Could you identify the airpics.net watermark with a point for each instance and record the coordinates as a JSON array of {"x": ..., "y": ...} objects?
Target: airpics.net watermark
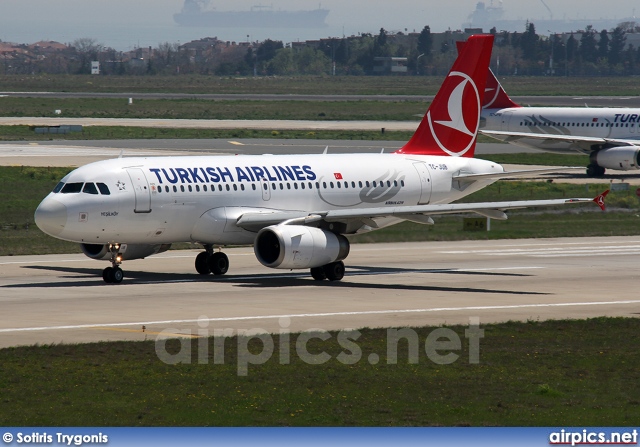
[{"x": 442, "y": 345}]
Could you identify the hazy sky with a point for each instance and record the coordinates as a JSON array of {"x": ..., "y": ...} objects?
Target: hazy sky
[{"x": 125, "y": 24}]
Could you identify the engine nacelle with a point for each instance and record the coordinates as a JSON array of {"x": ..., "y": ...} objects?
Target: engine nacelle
[
  {"x": 127, "y": 251},
  {"x": 298, "y": 247},
  {"x": 624, "y": 158}
]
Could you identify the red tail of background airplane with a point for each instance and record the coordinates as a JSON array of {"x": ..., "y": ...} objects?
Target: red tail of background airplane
[
  {"x": 450, "y": 126},
  {"x": 494, "y": 95}
]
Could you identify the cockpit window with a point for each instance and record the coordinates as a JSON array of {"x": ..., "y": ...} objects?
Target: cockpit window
[
  {"x": 58, "y": 187},
  {"x": 90, "y": 188},
  {"x": 104, "y": 189},
  {"x": 72, "y": 188}
]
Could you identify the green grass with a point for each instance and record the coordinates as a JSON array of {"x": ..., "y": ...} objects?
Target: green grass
[
  {"x": 22, "y": 189},
  {"x": 26, "y": 133},
  {"x": 552, "y": 373},
  {"x": 206, "y": 109},
  {"x": 319, "y": 85}
]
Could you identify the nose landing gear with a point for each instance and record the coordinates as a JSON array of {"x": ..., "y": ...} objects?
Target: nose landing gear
[{"x": 114, "y": 274}]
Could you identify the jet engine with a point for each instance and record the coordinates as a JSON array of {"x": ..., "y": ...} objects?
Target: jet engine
[
  {"x": 127, "y": 251},
  {"x": 623, "y": 158},
  {"x": 297, "y": 247}
]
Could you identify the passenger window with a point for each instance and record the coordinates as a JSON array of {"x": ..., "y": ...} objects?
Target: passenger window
[
  {"x": 175, "y": 188},
  {"x": 58, "y": 187},
  {"x": 204, "y": 188},
  {"x": 90, "y": 188},
  {"x": 72, "y": 188}
]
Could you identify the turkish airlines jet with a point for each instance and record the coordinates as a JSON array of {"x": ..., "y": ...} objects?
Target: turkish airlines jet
[
  {"x": 294, "y": 209},
  {"x": 610, "y": 136}
]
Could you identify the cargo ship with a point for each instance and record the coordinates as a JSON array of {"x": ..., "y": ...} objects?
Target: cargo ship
[
  {"x": 195, "y": 13},
  {"x": 489, "y": 16}
]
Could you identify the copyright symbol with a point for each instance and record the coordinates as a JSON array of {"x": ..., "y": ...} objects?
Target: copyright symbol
[{"x": 7, "y": 437}]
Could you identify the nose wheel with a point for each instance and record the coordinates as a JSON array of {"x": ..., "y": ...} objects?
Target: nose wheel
[{"x": 114, "y": 274}]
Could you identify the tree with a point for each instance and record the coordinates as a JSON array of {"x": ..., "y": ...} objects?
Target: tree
[
  {"x": 588, "y": 49},
  {"x": 268, "y": 49},
  {"x": 425, "y": 41},
  {"x": 603, "y": 45},
  {"x": 616, "y": 45},
  {"x": 281, "y": 63},
  {"x": 529, "y": 43},
  {"x": 87, "y": 50}
]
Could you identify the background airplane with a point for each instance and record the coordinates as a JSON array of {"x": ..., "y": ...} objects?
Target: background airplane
[
  {"x": 610, "y": 136},
  {"x": 294, "y": 209}
]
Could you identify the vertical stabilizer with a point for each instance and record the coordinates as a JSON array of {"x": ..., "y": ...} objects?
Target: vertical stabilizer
[
  {"x": 450, "y": 125},
  {"x": 494, "y": 95}
]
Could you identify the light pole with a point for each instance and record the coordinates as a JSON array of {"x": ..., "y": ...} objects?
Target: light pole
[
  {"x": 418, "y": 64},
  {"x": 552, "y": 40}
]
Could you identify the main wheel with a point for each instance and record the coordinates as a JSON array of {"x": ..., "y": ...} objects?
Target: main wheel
[
  {"x": 334, "y": 271},
  {"x": 218, "y": 263},
  {"x": 202, "y": 264},
  {"x": 318, "y": 273},
  {"x": 594, "y": 170}
]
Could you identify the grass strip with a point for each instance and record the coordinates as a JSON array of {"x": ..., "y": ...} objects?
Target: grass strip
[
  {"x": 206, "y": 109},
  {"x": 550, "y": 373},
  {"x": 313, "y": 85},
  {"x": 27, "y": 133}
]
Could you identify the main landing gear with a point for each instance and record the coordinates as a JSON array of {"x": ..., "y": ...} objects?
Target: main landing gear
[
  {"x": 333, "y": 272},
  {"x": 114, "y": 274},
  {"x": 594, "y": 170},
  {"x": 210, "y": 262}
]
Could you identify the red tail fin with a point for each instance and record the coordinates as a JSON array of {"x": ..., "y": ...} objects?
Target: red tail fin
[
  {"x": 494, "y": 95},
  {"x": 450, "y": 126}
]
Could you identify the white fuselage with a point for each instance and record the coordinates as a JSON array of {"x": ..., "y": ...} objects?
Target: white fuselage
[
  {"x": 611, "y": 123},
  {"x": 180, "y": 199}
]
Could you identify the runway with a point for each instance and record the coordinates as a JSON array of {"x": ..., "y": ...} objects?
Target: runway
[{"x": 62, "y": 298}]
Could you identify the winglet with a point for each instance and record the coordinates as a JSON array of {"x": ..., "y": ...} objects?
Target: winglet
[{"x": 599, "y": 199}]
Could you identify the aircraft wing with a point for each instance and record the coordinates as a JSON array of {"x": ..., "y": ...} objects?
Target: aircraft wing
[
  {"x": 417, "y": 213},
  {"x": 513, "y": 174},
  {"x": 579, "y": 143}
]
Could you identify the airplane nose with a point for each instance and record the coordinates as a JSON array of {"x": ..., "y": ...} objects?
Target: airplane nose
[{"x": 51, "y": 216}]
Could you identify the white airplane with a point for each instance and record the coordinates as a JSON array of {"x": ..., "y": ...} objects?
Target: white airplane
[
  {"x": 294, "y": 209},
  {"x": 610, "y": 136}
]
